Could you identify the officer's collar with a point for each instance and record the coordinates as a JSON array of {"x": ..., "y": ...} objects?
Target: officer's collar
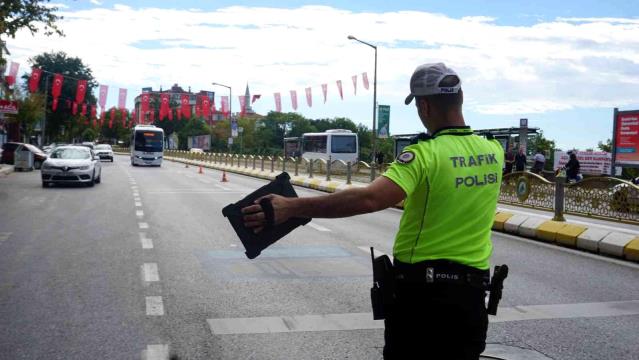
[{"x": 453, "y": 130}]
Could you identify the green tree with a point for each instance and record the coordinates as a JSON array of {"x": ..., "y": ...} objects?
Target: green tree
[
  {"x": 72, "y": 68},
  {"x": 30, "y": 112},
  {"x": 539, "y": 143},
  {"x": 607, "y": 146}
]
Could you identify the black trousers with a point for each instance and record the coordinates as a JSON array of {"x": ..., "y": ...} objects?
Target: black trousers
[{"x": 436, "y": 321}]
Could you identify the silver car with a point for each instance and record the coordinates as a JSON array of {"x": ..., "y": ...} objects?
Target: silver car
[
  {"x": 72, "y": 164},
  {"x": 104, "y": 151}
]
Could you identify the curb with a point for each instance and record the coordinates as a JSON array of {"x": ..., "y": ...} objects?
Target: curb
[{"x": 586, "y": 238}]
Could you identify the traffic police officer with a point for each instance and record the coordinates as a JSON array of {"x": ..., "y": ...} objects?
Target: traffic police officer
[{"x": 449, "y": 181}]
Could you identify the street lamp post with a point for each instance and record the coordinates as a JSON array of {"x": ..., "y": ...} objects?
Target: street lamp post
[
  {"x": 230, "y": 108},
  {"x": 374, "y": 150}
]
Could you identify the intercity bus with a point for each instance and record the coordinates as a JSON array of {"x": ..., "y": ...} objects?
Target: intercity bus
[{"x": 147, "y": 144}]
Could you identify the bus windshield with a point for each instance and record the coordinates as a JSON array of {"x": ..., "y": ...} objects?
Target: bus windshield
[
  {"x": 343, "y": 144},
  {"x": 150, "y": 141}
]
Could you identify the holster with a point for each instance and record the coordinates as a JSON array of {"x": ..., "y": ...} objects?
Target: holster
[
  {"x": 496, "y": 286},
  {"x": 383, "y": 290}
]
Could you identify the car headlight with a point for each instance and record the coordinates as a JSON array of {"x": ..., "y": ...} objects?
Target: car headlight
[
  {"x": 46, "y": 166},
  {"x": 84, "y": 167}
]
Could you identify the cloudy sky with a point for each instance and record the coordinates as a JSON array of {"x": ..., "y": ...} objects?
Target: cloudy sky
[{"x": 563, "y": 65}]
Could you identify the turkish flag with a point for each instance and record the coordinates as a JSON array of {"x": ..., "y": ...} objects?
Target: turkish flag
[
  {"x": 34, "y": 80},
  {"x": 54, "y": 104},
  {"x": 122, "y": 99},
  {"x": 57, "y": 85},
  {"x": 255, "y": 97},
  {"x": 355, "y": 84},
  {"x": 365, "y": 80},
  {"x": 186, "y": 106},
  {"x": 198, "y": 112},
  {"x": 164, "y": 105},
  {"x": 309, "y": 97},
  {"x": 84, "y": 109},
  {"x": 170, "y": 114},
  {"x": 294, "y": 99},
  {"x": 278, "y": 102},
  {"x": 81, "y": 91},
  {"x": 144, "y": 103},
  {"x": 324, "y": 91},
  {"x": 133, "y": 119},
  {"x": 206, "y": 106},
  {"x": 74, "y": 110},
  {"x": 102, "y": 116},
  {"x": 123, "y": 117},
  {"x": 242, "y": 99},
  {"x": 93, "y": 112},
  {"x": 104, "y": 92},
  {"x": 152, "y": 117},
  {"x": 178, "y": 112},
  {"x": 111, "y": 117},
  {"x": 339, "y": 88},
  {"x": 225, "y": 105},
  {"x": 13, "y": 73}
]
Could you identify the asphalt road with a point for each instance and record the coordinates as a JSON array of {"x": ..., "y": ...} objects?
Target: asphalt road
[{"x": 144, "y": 265}]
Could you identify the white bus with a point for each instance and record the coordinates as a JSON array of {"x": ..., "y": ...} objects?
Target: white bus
[
  {"x": 147, "y": 143},
  {"x": 335, "y": 144}
]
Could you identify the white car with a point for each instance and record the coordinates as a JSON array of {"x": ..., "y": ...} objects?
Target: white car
[
  {"x": 71, "y": 164},
  {"x": 104, "y": 151}
]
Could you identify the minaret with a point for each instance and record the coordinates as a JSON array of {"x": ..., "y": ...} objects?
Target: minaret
[{"x": 247, "y": 97}]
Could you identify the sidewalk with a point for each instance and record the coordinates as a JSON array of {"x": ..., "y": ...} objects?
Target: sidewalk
[
  {"x": 5, "y": 169},
  {"x": 591, "y": 235}
]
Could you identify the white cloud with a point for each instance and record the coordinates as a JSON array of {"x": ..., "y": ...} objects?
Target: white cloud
[
  {"x": 567, "y": 63},
  {"x": 96, "y": 2}
]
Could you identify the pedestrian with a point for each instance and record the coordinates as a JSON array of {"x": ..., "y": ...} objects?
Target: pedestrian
[
  {"x": 540, "y": 160},
  {"x": 379, "y": 158},
  {"x": 509, "y": 160},
  {"x": 572, "y": 168},
  {"x": 449, "y": 181},
  {"x": 520, "y": 160}
]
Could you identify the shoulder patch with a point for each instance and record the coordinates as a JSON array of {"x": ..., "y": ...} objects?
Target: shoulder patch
[{"x": 406, "y": 157}]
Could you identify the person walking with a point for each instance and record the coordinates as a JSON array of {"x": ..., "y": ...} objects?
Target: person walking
[
  {"x": 509, "y": 160},
  {"x": 449, "y": 181},
  {"x": 520, "y": 160}
]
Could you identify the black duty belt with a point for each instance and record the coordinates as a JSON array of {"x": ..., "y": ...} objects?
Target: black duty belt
[{"x": 442, "y": 271}]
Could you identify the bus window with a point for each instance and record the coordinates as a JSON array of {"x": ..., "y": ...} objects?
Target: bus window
[
  {"x": 150, "y": 141},
  {"x": 343, "y": 144},
  {"x": 316, "y": 144}
]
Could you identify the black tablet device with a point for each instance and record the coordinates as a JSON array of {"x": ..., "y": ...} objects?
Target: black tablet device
[{"x": 255, "y": 243}]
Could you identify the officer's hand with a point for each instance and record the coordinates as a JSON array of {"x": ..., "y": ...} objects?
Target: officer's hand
[{"x": 254, "y": 215}]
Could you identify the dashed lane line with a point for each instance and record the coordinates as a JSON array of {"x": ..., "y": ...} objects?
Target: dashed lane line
[
  {"x": 154, "y": 306},
  {"x": 150, "y": 272},
  {"x": 156, "y": 352},
  {"x": 318, "y": 227},
  {"x": 143, "y": 225},
  {"x": 137, "y": 203},
  {"x": 146, "y": 242},
  {"x": 139, "y": 213},
  {"x": 4, "y": 236}
]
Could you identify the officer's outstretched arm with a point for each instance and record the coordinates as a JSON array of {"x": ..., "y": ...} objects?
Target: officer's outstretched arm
[{"x": 380, "y": 194}]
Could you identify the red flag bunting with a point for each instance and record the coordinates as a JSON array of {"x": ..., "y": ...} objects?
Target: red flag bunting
[
  {"x": 54, "y": 105},
  {"x": 354, "y": 84},
  {"x": 278, "y": 102},
  {"x": 164, "y": 105},
  {"x": 324, "y": 90},
  {"x": 198, "y": 112},
  {"x": 102, "y": 117},
  {"x": 122, "y": 99},
  {"x": 309, "y": 97},
  {"x": 74, "y": 110},
  {"x": 56, "y": 88},
  {"x": 144, "y": 104},
  {"x": 104, "y": 92},
  {"x": 170, "y": 114},
  {"x": 242, "y": 100},
  {"x": 81, "y": 91},
  {"x": 294, "y": 99},
  {"x": 178, "y": 112},
  {"x": 152, "y": 117},
  {"x": 13, "y": 73},
  {"x": 186, "y": 106},
  {"x": 225, "y": 106},
  {"x": 93, "y": 111},
  {"x": 365, "y": 80},
  {"x": 255, "y": 97},
  {"x": 339, "y": 88},
  {"x": 133, "y": 119},
  {"x": 206, "y": 106},
  {"x": 83, "y": 112},
  {"x": 123, "y": 117},
  {"x": 111, "y": 117},
  {"x": 34, "y": 80}
]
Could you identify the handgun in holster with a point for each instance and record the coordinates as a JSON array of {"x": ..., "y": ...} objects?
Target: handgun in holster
[
  {"x": 383, "y": 290},
  {"x": 496, "y": 287}
]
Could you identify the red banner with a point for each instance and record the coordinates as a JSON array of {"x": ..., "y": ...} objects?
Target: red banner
[
  {"x": 102, "y": 117},
  {"x": 13, "y": 73},
  {"x": 80, "y": 91},
  {"x": 339, "y": 88},
  {"x": 94, "y": 112},
  {"x": 355, "y": 84},
  {"x": 111, "y": 117},
  {"x": 152, "y": 117},
  {"x": 242, "y": 100},
  {"x": 225, "y": 106},
  {"x": 54, "y": 104},
  {"x": 164, "y": 105},
  {"x": 144, "y": 104},
  {"x": 365, "y": 80},
  {"x": 8, "y": 107},
  {"x": 170, "y": 115},
  {"x": 56, "y": 88},
  {"x": 74, "y": 109},
  {"x": 104, "y": 92},
  {"x": 255, "y": 97},
  {"x": 324, "y": 90},
  {"x": 294, "y": 99},
  {"x": 186, "y": 106},
  {"x": 278, "y": 102},
  {"x": 84, "y": 109},
  {"x": 133, "y": 119},
  {"x": 206, "y": 106},
  {"x": 123, "y": 117},
  {"x": 34, "y": 80},
  {"x": 309, "y": 97},
  {"x": 198, "y": 111},
  {"x": 122, "y": 99}
]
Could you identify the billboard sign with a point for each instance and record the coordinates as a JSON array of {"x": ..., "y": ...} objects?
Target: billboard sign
[
  {"x": 625, "y": 138},
  {"x": 590, "y": 162},
  {"x": 383, "y": 129},
  {"x": 200, "y": 142},
  {"x": 8, "y": 107}
]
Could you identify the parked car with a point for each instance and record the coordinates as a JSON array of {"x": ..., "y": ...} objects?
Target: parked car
[
  {"x": 104, "y": 151},
  {"x": 7, "y": 152},
  {"x": 88, "y": 144},
  {"x": 39, "y": 156},
  {"x": 72, "y": 164}
]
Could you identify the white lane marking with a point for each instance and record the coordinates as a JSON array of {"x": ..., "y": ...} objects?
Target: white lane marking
[
  {"x": 205, "y": 181},
  {"x": 156, "y": 352},
  {"x": 137, "y": 198},
  {"x": 154, "y": 306},
  {"x": 612, "y": 228},
  {"x": 570, "y": 251},
  {"x": 364, "y": 321},
  {"x": 134, "y": 187},
  {"x": 146, "y": 242},
  {"x": 195, "y": 192},
  {"x": 367, "y": 249},
  {"x": 139, "y": 213},
  {"x": 189, "y": 175},
  {"x": 150, "y": 271},
  {"x": 137, "y": 203},
  {"x": 318, "y": 227},
  {"x": 136, "y": 194},
  {"x": 143, "y": 225},
  {"x": 222, "y": 187},
  {"x": 4, "y": 236}
]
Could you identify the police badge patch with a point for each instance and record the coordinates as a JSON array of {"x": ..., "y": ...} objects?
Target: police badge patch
[{"x": 406, "y": 157}]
